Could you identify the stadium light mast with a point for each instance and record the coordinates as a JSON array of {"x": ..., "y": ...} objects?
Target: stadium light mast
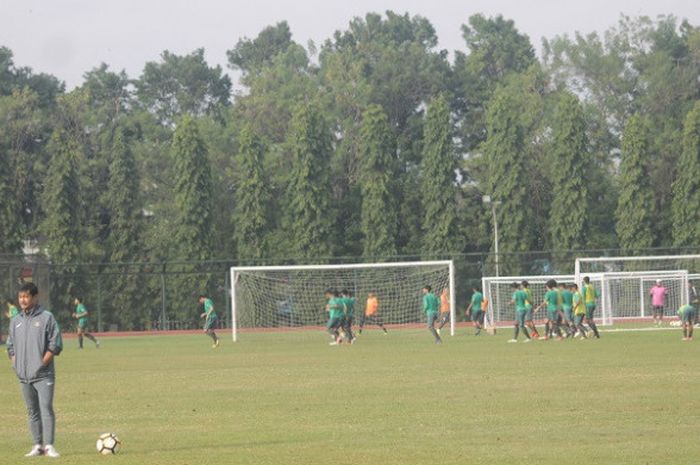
[{"x": 486, "y": 199}]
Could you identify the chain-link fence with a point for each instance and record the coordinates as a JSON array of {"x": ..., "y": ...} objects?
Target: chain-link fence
[{"x": 164, "y": 296}]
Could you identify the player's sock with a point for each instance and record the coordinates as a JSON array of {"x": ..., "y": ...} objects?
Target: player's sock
[
  {"x": 91, "y": 337},
  {"x": 527, "y": 335},
  {"x": 80, "y": 340},
  {"x": 595, "y": 329},
  {"x": 516, "y": 330}
]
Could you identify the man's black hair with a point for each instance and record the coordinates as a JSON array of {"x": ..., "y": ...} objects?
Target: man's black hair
[{"x": 29, "y": 288}]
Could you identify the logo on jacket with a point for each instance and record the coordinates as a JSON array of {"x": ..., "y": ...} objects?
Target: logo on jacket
[{"x": 37, "y": 324}]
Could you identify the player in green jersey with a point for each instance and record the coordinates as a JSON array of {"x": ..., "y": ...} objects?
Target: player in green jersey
[
  {"x": 687, "y": 315},
  {"x": 430, "y": 307},
  {"x": 590, "y": 294},
  {"x": 210, "y": 318},
  {"x": 519, "y": 300},
  {"x": 336, "y": 310},
  {"x": 81, "y": 314},
  {"x": 349, "y": 303},
  {"x": 551, "y": 301},
  {"x": 567, "y": 299},
  {"x": 579, "y": 308},
  {"x": 474, "y": 309},
  {"x": 12, "y": 311},
  {"x": 529, "y": 322}
]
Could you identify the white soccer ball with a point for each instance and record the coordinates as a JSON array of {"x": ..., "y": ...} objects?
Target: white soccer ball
[
  {"x": 108, "y": 443},
  {"x": 676, "y": 323}
]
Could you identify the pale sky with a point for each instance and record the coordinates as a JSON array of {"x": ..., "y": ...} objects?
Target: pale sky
[{"x": 66, "y": 38}]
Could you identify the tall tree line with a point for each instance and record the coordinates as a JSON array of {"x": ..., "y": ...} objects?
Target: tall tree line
[{"x": 372, "y": 143}]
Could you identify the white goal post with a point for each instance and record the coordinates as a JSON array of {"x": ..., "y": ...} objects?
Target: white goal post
[
  {"x": 291, "y": 297},
  {"x": 625, "y": 293},
  {"x": 498, "y": 291}
]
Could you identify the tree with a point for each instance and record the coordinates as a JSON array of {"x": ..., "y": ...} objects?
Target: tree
[
  {"x": 109, "y": 92},
  {"x": 310, "y": 214},
  {"x": 568, "y": 215},
  {"x": 252, "y": 215},
  {"x": 686, "y": 187},
  {"x": 438, "y": 189},
  {"x": 180, "y": 85},
  {"x": 125, "y": 235},
  {"x": 10, "y": 232},
  {"x": 506, "y": 179},
  {"x": 250, "y": 56},
  {"x": 496, "y": 50},
  {"x": 635, "y": 206},
  {"x": 193, "y": 193},
  {"x": 63, "y": 224},
  {"x": 191, "y": 228},
  {"x": 378, "y": 185}
]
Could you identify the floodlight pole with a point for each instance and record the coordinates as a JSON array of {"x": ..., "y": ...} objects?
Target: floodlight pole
[{"x": 486, "y": 199}]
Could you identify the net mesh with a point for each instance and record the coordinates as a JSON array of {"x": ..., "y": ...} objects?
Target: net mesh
[
  {"x": 499, "y": 292},
  {"x": 293, "y": 298},
  {"x": 628, "y": 295},
  {"x": 628, "y": 281}
]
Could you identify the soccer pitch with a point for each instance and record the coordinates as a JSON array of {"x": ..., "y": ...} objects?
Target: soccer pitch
[{"x": 289, "y": 398}]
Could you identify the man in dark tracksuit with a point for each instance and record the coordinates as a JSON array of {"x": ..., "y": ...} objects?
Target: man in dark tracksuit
[{"x": 34, "y": 339}]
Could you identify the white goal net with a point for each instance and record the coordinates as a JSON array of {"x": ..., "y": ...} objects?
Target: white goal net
[
  {"x": 292, "y": 297},
  {"x": 499, "y": 291},
  {"x": 627, "y": 282}
]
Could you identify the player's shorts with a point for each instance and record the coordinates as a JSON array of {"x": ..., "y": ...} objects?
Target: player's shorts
[
  {"x": 568, "y": 314},
  {"x": 82, "y": 323},
  {"x": 578, "y": 319},
  {"x": 552, "y": 315},
  {"x": 476, "y": 315},
  {"x": 521, "y": 317},
  {"x": 658, "y": 309},
  {"x": 688, "y": 316},
  {"x": 590, "y": 309},
  {"x": 431, "y": 317},
  {"x": 334, "y": 322},
  {"x": 209, "y": 323}
]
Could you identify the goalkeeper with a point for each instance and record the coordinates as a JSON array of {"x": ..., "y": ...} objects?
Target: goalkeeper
[
  {"x": 210, "y": 318},
  {"x": 687, "y": 315}
]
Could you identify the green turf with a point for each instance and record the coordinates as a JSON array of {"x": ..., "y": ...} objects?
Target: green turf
[{"x": 629, "y": 398}]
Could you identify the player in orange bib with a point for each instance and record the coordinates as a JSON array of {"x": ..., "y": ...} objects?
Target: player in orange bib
[
  {"x": 372, "y": 313},
  {"x": 444, "y": 309}
]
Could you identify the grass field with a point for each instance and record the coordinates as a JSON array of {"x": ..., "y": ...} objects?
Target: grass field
[{"x": 628, "y": 398}]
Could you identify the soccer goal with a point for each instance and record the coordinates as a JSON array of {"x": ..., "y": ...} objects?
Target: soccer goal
[
  {"x": 499, "y": 290},
  {"x": 283, "y": 298},
  {"x": 627, "y": 281}
]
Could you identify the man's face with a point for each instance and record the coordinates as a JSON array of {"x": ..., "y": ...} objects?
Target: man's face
[{"x": 26, "y": 300}]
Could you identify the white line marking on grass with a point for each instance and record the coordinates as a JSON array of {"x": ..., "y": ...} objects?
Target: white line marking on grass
[{"x": 626, "y": 330}]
